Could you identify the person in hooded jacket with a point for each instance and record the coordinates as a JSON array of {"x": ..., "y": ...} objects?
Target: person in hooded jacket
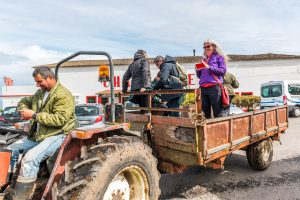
[
  {"x": 169, "y": 79},
  {"x": 231, "y": 83},
  {"x": 139, "y": 73},
  {"x": 214, "y": 61}
]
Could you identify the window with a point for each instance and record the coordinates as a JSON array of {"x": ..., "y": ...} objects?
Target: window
[
  {"x": 265, "y": 91},
  {"x": 91, "y": 99},
  {"x": 86, "y": 110},
  {"x": 294, "y": 89},
  {"x": 104, "y": 100},
  {"x": 271, "y": 91},
  {"x": 10, "y": 111}
]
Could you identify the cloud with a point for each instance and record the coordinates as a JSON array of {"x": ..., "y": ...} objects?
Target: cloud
[
  {"x": 38, "y": 32},
  {"x": 18, "y": 65}
]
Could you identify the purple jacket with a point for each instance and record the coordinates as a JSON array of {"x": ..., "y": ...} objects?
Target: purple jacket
[{"x": 217, "y": 66}]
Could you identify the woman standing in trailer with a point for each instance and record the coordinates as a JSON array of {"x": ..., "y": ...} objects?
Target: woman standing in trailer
[{"x": 211, "y": 75}]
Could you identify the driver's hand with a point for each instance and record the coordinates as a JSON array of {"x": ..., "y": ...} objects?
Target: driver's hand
[{"x": 26, "y": 113}]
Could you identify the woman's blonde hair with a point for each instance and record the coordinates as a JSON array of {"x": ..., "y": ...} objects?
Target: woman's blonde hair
[{"x": 217, "y": 48}]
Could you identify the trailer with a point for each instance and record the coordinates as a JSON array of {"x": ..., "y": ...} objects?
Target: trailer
[{"x": 181, "y": 142}]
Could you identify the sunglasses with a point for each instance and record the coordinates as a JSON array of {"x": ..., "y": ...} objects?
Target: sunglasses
[{"x": 206, "y": 47}]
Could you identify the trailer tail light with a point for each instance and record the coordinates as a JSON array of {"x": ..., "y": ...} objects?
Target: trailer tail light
[
  {"x": 4, "y": 163},
  {"x": 99, "y": 119},
  {"x": 79, "y": 134},
  {"x": 284, "y": 100}
]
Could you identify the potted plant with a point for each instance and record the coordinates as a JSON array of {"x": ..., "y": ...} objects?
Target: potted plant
[
  {"x": 247, "y": 102},
  {"x": 188, "y": 103}
]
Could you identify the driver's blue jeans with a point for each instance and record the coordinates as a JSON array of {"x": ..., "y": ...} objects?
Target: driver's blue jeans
[{"x": 36, "y": 152}]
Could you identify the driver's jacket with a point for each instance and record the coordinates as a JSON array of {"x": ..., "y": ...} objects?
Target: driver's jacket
[{"x": 54, "y": 116}]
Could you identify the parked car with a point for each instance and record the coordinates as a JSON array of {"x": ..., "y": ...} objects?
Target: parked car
[
  {"x": 276, "y": 93},
  {"x": 88, "y": 114},
  {"x": 129, "y": 104},
  {"x": 10, "y": 116},
  {"x": 234, "y": 110}
]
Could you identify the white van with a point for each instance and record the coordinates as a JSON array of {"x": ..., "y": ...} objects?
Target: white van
[{"x": 275, "y": 93}]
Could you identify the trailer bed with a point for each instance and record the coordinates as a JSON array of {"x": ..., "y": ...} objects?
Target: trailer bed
[{"x": 179, "y": 142}]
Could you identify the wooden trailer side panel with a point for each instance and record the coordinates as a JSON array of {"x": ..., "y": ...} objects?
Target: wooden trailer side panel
[
  {"x": 175, "y": 146},
  {"x": 226, "y": 134}
]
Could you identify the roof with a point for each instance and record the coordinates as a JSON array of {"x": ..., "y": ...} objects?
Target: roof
[
  {"x": 107, "y": 92},
  {"x": 180, "y": 59},
  {"x": 15, "y": 95}
]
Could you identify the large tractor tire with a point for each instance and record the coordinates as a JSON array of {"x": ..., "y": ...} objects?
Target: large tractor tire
[
  {"x": 116, "y": 168},
  {"x": 260, "y": 154}
]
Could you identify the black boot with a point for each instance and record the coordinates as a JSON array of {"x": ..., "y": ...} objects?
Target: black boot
[{"x": 22, "y": 191}]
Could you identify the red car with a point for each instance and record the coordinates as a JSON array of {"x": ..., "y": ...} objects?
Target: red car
[{"x": 10, "y": 116}]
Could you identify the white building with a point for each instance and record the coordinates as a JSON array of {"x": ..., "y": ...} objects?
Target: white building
[{"x": 81, "y": 77}]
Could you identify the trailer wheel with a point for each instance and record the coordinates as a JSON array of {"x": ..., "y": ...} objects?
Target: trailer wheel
[
  {"x": 296, "y": 112},
  {"x": 116, "y": 168},
  {"x": 260, "y": 154}
]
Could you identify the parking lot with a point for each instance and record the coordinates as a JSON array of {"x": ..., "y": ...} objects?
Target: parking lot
[{"x": 238, "y": 181}]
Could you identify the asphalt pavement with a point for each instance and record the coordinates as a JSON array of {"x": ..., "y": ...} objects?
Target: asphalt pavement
[{"x": 238, "y": 181}]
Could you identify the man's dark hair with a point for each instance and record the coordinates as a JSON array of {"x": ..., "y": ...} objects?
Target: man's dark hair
[
  {"x": 45, "y": 72},
  {"x": 159, "y": 58}
]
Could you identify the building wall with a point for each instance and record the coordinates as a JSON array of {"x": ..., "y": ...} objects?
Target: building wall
[
  {"x": 251, "y": 74},
  {"x": 83, "y": 81},
  {"x": 11, "y": 95}
]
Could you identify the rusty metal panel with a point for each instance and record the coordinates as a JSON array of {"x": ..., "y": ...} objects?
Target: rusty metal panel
[
  {"x": 258, "y": 123},
  {"x": 179, "y": 158},
  {"x": 176, "y": 121},
  {"x": 240, "y": 127},
  {"x": 282, "y": 115},
  {"x": 175, "y": 134},
  {"x": 137, "y": 127},
  {"x": 271, "y": 118},
  {"x": 131, "y": 117},
  {"x": 189, "y": 148},
  {"x": 217, "y": 149},
  {"x": 87, "y": 132},
  {"x": 201, "y": 140},
  {"x": 241, "y": 140},
  {"x": 170, "y": 168},
  {"x": 217, "y": 134}
]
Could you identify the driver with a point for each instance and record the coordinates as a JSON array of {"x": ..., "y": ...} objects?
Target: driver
[{"x": 52, "y": 113}]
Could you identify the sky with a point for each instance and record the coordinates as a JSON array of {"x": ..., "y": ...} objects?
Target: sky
[{"x": 40, "y": 32}]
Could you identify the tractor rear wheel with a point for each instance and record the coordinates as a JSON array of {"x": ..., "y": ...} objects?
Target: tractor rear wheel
[
  {"x": 260, "y": 154},
  {"x": 116, "y": 168},
  {"x": 296, "y": 112}
]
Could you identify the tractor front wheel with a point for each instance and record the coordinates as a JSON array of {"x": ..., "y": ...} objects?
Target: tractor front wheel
[{"x": 117, "y": 168}]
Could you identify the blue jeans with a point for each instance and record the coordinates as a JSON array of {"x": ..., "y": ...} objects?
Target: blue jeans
[{"x": 36, "y": 152}]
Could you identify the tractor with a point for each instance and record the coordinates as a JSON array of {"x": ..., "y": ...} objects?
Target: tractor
[{"x": 105, "y": 161}]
